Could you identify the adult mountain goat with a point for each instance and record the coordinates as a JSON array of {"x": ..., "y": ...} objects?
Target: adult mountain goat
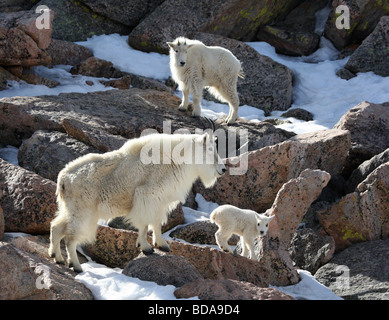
[
  {"x": 195, "y": 66},
  {"x": 143, "y": 180}
]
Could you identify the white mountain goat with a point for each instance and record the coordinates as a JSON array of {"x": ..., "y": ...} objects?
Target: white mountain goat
[
  {"x": 194, "y": 66},
  {"x": 245, "y": 223},
  {"x": 143, "y": 180}
]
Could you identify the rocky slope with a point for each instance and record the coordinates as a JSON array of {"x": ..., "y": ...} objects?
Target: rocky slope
[{"x": 335, "y": 181}]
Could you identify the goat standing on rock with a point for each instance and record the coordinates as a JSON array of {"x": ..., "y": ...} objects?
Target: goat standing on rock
[
  {"x": 195, "y": 66},
  {"x": 127, "y": 182},
  {"x": 245, "y": 223}
]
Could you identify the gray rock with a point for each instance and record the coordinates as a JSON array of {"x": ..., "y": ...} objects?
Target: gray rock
[
  {"x": 364, "y": 16},
  {"x": 27, "y": 276},
  {"x": 288, "y": 41},
  {"x": 367, "y": 167},
  {"x": 309, "y": 250},
  {"x": 298, "y": 113},
  {"x": 368, "y": 124},
  {"x": 28, "y": 200},
  {"x": 76, "y": 22},
  {"x": 372, "y": 54},
  {"x": 232, "y": 18},
  {"x": 360, "y": 272},
  {"x": 226, "y": 289},
  {"x": 164, "y": 269},
  {"x": 67, "y": 53},
  {"x": 127, "y": 12},
  {"x": 47, "y": 153},
  {"x": 200, "y": 232}
]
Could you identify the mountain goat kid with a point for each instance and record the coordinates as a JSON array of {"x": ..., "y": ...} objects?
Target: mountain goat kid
[
  {"x": 129, "y": 182},
  {"x": 245, "y": 223},
  {"x": 194, "y": 66}
]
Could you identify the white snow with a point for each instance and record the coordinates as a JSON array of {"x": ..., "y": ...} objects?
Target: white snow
[
  {"x": 110, "y": 284},
  {"x": 308, "y": 289},
  {"x": 316, "y": 88}
]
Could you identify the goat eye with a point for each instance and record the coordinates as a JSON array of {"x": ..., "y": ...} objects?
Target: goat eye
[
  {"x": 267, "y": 225},
  {"x": 177, "y": 51},
  {"x": 258, "y": 224}
]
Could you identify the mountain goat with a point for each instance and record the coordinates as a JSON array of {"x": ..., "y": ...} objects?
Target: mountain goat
[
  {"x": 245, "y": 223},
  {"x": 143, "y": 180},
  {"x": 194, "y": 66}
]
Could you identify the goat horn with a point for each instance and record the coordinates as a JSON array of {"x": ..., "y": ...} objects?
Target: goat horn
[{"x": 211, "y": 123}]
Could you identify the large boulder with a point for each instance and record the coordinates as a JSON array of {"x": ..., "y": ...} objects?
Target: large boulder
[
  {"x": 105, "y": 119},
  {"x": 67, "y": 53},
  {"x": 261, "y": 73},
  {"x": 6, "y": 76},
  {"x": 289, "y": 42},
  {"x": 22, "y": 43},
  {"x": 289, "y": 208},
  {"x": 27, "y": 276},
  {"x": 233, "y": 18},
  {"x": 364, "y": 16},
  {"x": 367, "y": 167},
  {"x": 162, "y": 268},
  {"x": 76, "y": 22},
  {"x": 115, "y": 248},
  {"x": 361, "y": 272},
  {"x": 47, "y": 153},
  {"x": 253, "y": 180},
  {"x": 310, "y": 250},
  {"x": 372, "y": 54},
  {"x": 206, "y": 289},
  {"x": 127, "y": 12},
  {"x": 28, "y": 200},
  {"x": 368, "y": 124},
  {"x": 361, "y": 215}
]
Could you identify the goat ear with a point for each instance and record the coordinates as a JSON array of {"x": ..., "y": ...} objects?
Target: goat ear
[
  {"x": 170, "y": 44},
  {"x": 271, "y": 217}
]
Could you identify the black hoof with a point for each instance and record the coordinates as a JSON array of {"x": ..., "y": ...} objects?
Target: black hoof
[
  {"x": 77, "y": 270},
  {"x": 164, "y": 248},
  {"x": 52, "y": 255},
  {"x": 60, "y": 262},
  {"x": 148, "y": 251}
]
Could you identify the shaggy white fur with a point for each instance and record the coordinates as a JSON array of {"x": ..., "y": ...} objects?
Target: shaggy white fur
[{"x": 195, "y": 66}]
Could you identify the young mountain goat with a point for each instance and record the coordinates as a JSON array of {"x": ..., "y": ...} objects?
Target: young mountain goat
[
  {"x": 128, "y": 182},
  {"x": 195, "y": 66},
  {"x": 245, "y": 223}
]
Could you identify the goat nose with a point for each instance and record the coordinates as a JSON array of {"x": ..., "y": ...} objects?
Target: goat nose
[
  {"x": 224, "y": 170},
  {"x": 182, "y": 63},
  {"x": 262, "y": 232}
]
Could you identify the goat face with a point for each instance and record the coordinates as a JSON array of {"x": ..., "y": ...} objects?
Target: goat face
[
  {"x": 263, "y": 223},
  {"x": 179, "y": 51},
  {"x": 212, "y": 167}
]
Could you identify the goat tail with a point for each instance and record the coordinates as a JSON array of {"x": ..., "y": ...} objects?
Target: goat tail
[
  {"x": 241, "y": 74},
  {"x": 60, "y": 192}
]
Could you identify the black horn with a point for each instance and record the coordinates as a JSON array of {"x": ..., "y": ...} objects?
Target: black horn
[{"x": 211, "y": 123}]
